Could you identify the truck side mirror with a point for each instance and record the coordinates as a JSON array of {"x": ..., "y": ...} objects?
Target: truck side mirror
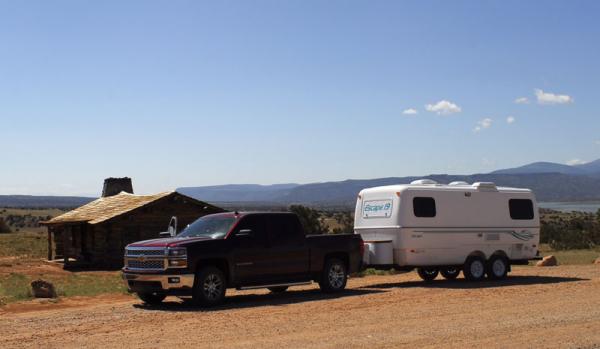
[{"x": 164, "y": 234}]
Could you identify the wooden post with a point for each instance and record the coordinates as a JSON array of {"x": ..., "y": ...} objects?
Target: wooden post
[
  {"x": 49, "y": 243},
  {"x": 66, "y": 232}
]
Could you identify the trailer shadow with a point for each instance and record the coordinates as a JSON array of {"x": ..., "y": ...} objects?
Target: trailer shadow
[
  {"x": 464, "y": 284},
  {"x": 258, "y": 300}
]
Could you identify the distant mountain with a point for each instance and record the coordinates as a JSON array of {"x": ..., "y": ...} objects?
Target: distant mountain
[
  {"x": 546, "y": 186},
  {"x": 239, "y": 192},
  {"x": 590, "y": 168},
  {"x": 28, "y": 201}
]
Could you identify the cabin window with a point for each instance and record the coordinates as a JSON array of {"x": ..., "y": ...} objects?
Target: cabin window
[
  {"x": 520, "y": 208},
  {"x": 424, "y": 207}
]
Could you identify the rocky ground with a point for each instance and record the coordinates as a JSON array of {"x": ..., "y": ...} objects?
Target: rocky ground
[{"x": 535, "y": 307}]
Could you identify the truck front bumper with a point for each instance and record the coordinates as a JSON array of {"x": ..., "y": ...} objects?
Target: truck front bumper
[{"x": 138, "y": 282}]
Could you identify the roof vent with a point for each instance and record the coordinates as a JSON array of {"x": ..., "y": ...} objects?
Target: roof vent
[
  {"x": 424, "y": 182},
  {"x": 459, "y": 183},
  {"x": 485, "y": 186}
]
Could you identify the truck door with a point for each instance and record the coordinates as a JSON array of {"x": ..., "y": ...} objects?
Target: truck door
[
  {"x": 289, "y": 253},
  {"x": 250, "y": 256}
]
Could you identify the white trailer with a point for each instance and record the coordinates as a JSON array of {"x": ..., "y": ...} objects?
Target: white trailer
[{"x": 479, "y": 229}]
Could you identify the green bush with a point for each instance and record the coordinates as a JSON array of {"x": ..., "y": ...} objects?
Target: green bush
[{"x": 572, "y": 231}]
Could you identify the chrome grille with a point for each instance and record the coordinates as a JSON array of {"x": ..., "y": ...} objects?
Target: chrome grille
[
  {"x": 146, "y": 264},
  {"x": 145, "y": 252}
]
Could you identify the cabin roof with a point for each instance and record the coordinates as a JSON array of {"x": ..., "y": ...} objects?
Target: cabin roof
[{"x": 105, "y": 208}]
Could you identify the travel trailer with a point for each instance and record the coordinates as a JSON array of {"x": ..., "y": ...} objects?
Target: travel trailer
[{"x": 480, "y": 228}]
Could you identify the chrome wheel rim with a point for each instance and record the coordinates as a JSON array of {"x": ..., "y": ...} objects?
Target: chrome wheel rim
[
  {"x": 212, "y": 286},
  {"x": 477, "y": 269},
  {"x": 498, "y": 267},
  {"x": 336, "y": 276}
]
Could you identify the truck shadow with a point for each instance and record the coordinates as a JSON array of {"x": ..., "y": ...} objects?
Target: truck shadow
[
  {"x": 464, "y": 284},
  {"x": 258, "y": 300}
]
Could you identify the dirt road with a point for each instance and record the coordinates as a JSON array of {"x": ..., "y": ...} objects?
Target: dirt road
[{"x": 535, "y": 307}]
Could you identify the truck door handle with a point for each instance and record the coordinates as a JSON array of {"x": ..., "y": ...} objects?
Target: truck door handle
[{"x": 244, "y": 264}]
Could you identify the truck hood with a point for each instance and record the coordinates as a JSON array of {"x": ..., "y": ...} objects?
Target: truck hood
[{"x": 168, "y": 242}]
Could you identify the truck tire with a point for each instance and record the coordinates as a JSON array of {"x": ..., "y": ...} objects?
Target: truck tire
[
  {"x": 450, "y": 273},
  {"x": 152, "y": 298},
  {"x": 209, "y": 287},
  {"x": 334, "y": 276},
  {"x": 428, "y": 274},
  {"x": 474, "y": 268},
  {"x": 497, "y": 267},
  {"x": 278, "y": 289}
]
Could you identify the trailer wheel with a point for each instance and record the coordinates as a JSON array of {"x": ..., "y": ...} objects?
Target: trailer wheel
[
  {"x": 428, "y": 274},
  {"x": 474, "y": 268},
  {"x": 497, "y": 267},
  {"x": 450, "y": 273},
  {"x": 209, "y": 287},
  {"x": 334, "y": 276},
  {"x": 152, "y": 298},
  {"x": 278, "y": 289}
]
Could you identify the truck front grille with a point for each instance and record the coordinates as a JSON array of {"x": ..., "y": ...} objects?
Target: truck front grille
[
  {"x": 146, "y": 264},
  {"x": 142, "y": 258}
]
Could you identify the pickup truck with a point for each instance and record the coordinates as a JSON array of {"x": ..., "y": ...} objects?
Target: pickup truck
[{"x": 242, "y": 251}]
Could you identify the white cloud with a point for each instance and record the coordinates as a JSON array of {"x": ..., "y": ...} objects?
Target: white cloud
[
  {"x": 522, "y": 100},
  {"x": 551, "y": 98},
  {"x": 576, "y": 162},
  {"x": 510, "y": 119},
  {"x": 410, "y": 111},
  {"x": 443, "y": 107},
  {"x": 482, "y": 124}
]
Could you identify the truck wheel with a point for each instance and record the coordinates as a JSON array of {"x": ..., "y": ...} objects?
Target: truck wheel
[
  {"x": 278, "y": 289},
  {"x": 497, "y": 267},
  {"x": 209, "y": 287},
  {"x": 334, "y": 276},
  {"x": 450, "y": 273},
  {"x": 151, "y": 298},
  {"x": 474, "y": 268},
  {"x": 428, "y": 274}
]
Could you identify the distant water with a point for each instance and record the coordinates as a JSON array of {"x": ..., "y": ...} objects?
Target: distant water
[{"x": 583, "y": 206}]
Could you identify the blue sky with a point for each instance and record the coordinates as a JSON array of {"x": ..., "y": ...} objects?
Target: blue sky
[{"x": 182, "y": 93}]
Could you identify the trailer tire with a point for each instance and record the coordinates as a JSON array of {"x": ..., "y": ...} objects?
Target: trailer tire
[
  {"x": 278, "y": 289},
  {"x": 334, "y": 276},
  {"x": 474, "y": 268},
  {"x": 428, "y": 274},
  {"x": 209, "y": 287},
  {"x": 152, "y": 298},
  {"x": 497, "y": 267},
  {"x": 450, "y": 273}
]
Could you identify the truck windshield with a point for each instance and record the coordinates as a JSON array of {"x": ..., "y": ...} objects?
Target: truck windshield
[{"x": 214, "y": 227}]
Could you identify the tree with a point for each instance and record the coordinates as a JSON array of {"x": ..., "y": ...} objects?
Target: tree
[
  {"x": 310, "y": 219},
  {"x": 3, "y": 227}
]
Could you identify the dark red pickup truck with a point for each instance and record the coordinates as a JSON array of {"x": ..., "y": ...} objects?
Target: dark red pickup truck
[{"x": 242, "y": 251}]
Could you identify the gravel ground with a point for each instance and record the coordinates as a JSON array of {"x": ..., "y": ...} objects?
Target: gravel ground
[{"x": 534, "y": 307}]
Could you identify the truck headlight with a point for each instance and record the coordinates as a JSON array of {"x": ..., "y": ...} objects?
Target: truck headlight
[{"x": 177, "y": 252}]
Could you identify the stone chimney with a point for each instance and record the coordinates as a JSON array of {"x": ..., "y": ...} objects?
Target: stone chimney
[{"x": 113, "y": 186}]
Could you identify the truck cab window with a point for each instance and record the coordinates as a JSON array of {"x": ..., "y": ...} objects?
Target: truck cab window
[
  {"x": 284, "y": 230},
  {"x": 424, "y": 207},
  {"x": 520, "y": 209},
  {"x": 257, "y": 224}
]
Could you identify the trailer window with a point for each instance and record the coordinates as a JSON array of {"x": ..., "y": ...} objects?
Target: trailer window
[
  {"x": 424, "y": 207},
  {"x": 520, "y": 208}
]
